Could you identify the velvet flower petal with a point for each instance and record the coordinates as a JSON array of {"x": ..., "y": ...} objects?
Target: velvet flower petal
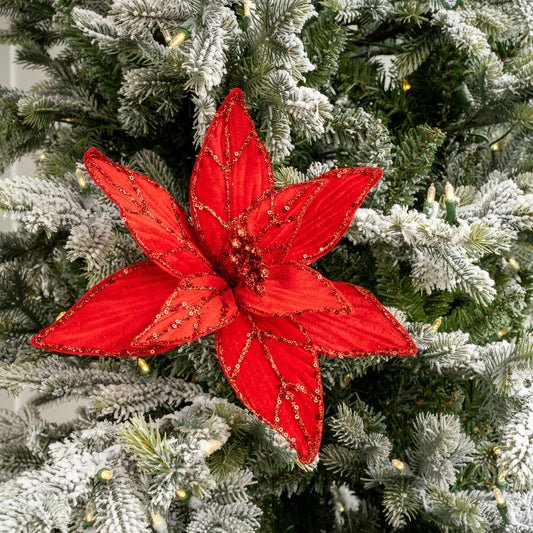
[
  {"x": 292, "y": 288},
  {"x": 273, "y": 368},
  {"x": 275, "y": 218},
  {"x": 376, "y": 330},
  {"x": 107, "y": 319},
  {"x": 303, "y": 222},
  {"x": 198, "y": 306},
  {"x": 158, "y": 223},
  {"x": 232, "y": 170},
  {"x": 241, "y": 272}
]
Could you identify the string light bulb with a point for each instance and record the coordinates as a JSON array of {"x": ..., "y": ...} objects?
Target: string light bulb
[
  {"x": 436, "y": 325},
  {"x": 104, "y": 474},
  {"x": 500, "y": 500},
  {"x": 346, "y": 380},
  {"x": 89, "y": 512},
  {"x": 451, "y": 202},
  {"x": 405, "y": 85},
  {"x": 82, "y": 182},
  {"x": 182, "y": 494},
  {"x": 504, "y": 331},
  {"x": 164, "y": 30},
  {"x": 157, "y": 520},
  {"x": 430, "y": 199},
  {"x": 502, "y": 506},
  {"x": 179, "y": 38},
  {"x": 247, "y": 19},
  {"x": 143, "y": 365},
  {"x": 496, "y": 450},
  {"x": 81, "y": 177},
  {"x": 450, "y": 195},
  {"x": 514, "y": 263},
  {"x": 398, "y": 464},
  {"x": 431, "y": 194},
  {"x": 176, "y": 40},
  {"x": 494, "y": 147},
  {"x": 60, "y": 315},
  {"x": 501, "y": 483},
  {"x": 210, "y": 446},
  {"x": 42, "y": 157}
]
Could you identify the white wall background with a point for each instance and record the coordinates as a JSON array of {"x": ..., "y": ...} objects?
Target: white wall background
[{"x": 12, "y": 75}]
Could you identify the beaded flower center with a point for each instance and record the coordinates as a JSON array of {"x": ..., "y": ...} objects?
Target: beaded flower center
[{"x": 243, "y": 261}]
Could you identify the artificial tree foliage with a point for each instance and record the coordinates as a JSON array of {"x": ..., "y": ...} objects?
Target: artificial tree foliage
[{"x": 435, "y": 93}]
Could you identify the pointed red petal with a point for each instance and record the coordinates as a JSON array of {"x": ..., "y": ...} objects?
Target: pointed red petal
[
  {"x": 200, "y": 305},
  {"x": 158, "y": 223},
  {"x": 368, "y": 330},
  {"x": 273, "y": 369},
  {"x": 330, "y": 212},
  {"x": 111, "y": 314},
  {"x": 232, "y": 170},
  {"x": 303, "y": 222},
  {"x": 274, "y": 220},
  {"x": 292, "y": 288}
]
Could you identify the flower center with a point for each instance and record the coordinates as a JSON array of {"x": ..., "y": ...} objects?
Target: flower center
[{"x": 244, "y": 264}]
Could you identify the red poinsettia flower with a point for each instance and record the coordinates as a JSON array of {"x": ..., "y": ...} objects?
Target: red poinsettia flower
[{"x": 241, "y": 271}]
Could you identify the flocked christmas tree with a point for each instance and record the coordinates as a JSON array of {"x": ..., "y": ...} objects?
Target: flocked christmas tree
[{"x": 437, "y": 94}]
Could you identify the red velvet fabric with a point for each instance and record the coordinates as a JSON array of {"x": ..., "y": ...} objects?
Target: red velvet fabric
[
  {"x": 232, "y": 170},
  {"x": 241, "y": 272},
  {"x": 303, "y": 222},
  {"x": 198, "y": 306},
  {"x": 292, "y": 288},
  {"x": 272, "y": 366},
  {"x": 159, "y": 224},
  {"x": 376, "y": 330},
  {"x": 108, "y": 318}
]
